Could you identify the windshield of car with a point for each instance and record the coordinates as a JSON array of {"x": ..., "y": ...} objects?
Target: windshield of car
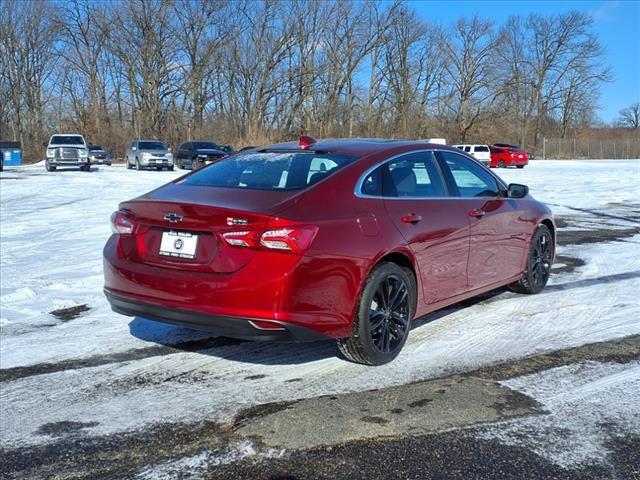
[
  {"x": 269, "y": 170},
  {"x": 66, "y": 140},
  {"x": 151, "y": 146},
  {"x": 95, "y": 147},
  {"x": 205, "y": 146}
]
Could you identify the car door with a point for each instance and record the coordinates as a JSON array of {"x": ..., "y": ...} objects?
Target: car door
[
  {"x": 497, "y": 233},
  {"x": 433, "y": 224}
]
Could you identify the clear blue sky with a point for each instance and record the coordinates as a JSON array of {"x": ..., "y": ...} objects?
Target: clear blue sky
[{"x": 617, "y": 23}]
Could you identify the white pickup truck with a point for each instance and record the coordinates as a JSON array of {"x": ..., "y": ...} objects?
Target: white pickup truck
[{"x": 67, "y": 150}]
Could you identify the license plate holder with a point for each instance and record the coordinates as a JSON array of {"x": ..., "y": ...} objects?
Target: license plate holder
[{"x": 178, "y": 244}]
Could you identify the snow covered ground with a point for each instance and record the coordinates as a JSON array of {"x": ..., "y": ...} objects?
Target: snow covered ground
[{"x": 54, "y": 225}]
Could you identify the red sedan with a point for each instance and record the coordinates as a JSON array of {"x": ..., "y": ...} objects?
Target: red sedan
[
  {"x": 343, "y": 239},
  {"x": 508, "y": 157}
]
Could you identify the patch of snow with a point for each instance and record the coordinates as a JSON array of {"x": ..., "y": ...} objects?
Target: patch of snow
[
  {"x": 586, "y": 404},
  {"x": 196, "y": 465}
]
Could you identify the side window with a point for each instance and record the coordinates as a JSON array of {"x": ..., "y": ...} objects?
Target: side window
[
  {"x": 467, "y": 148},
  {"x": 482, "y": 148},
  {"x": 413, "y": 175},
  {"x": 471, "y": 179},
  {"x": 372, "y": 185}
]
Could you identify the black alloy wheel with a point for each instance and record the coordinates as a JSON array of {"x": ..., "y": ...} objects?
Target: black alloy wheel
[
  {"x": 389, "y": 315},
  {"x": 383, "y": 319},
  {"x": 539, "y": 263},
  {"x": 540, "y": 259}
]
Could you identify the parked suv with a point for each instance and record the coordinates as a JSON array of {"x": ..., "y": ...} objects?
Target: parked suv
[
  {"x": 98, "y": 155},
  {"x": 149, "y": 153},
  {"x": 479, "y": 152},
  {"x": 197, "y": 154},
  {"x": 67, "y": 150}
]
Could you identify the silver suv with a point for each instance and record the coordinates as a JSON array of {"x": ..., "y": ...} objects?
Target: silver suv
[
  {"x": 67, "y": 150},
  {"x": 149, "y": 153}
]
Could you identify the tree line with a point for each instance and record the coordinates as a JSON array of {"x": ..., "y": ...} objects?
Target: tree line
[{"x": 256, "y": 71}]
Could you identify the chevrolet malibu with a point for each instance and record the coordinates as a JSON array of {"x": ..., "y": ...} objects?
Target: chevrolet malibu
[{"x": 342, "y": 239}]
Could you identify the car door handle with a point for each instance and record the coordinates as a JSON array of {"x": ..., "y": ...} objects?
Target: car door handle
[
  {"x": 477, "y": 213},
  {"x": 411, "y": 218}
]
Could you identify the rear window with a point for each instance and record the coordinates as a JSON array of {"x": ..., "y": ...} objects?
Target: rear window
[
  {"x": 151, "y": 146},
  {"x": 269, "y": 170},
  {"x": 66, "y": 140},
  {"x": 481, "y": 148}
]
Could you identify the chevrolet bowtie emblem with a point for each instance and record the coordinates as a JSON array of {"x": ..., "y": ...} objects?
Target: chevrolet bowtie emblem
[{"x": 173, "y": 217}]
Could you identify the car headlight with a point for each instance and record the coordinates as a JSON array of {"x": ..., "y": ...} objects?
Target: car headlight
[
  {"x": 50, "y": 153},
  {"x": 202, "y": 156},
  {"x": 83, "y": 153}
]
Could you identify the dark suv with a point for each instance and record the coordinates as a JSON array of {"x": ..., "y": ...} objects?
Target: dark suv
[{"x": 197, "y": 154}]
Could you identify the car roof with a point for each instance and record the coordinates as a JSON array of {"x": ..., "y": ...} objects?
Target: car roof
[{"x": 359, "y": 147}]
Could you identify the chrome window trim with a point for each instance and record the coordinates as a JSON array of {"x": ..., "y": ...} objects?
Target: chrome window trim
[{"x": 358, "y": 190}]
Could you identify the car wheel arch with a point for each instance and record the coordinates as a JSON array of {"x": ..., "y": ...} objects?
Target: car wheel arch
[
  {"x": 549, "y": 224},
  {"x": 405, "y": 260}
]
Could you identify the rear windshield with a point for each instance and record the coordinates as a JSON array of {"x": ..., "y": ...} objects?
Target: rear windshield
[
  {"x": 151, "y": 146},
  {"x": 66, "y": 140},
  {"x": 269, "y": 170}
]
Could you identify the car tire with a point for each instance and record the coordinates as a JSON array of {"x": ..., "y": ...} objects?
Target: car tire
[
  {"x": 138, "y": 165},
  {"x": 170, "y": 168},
  {"x": 50, "y": 168},
  {"x": 85, "y": 168},
  {"x": 520, "y": 166},
  {"x": 539, "y": 262},
  {"x": 502, "y": 164},
  {"x": 129, "y": 167},
  {"x": 372, "y": 341}
]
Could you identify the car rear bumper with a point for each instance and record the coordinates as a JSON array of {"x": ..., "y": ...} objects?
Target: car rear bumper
[
  {"x": 286, "y": 290},
  {"x": 232, "y": 327}
]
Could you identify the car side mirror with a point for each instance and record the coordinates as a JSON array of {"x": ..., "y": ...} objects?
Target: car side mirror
[
  {"x": 516, "y": 190},
  {"x": 169, "y": 149},
  {"x": 45, "y": 144}
]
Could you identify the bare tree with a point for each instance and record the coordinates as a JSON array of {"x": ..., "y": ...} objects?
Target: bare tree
[
  {"x": 27, "y": 46},
  {"x": 470, "y": 49},
  {"x": 630, "y": 116}
]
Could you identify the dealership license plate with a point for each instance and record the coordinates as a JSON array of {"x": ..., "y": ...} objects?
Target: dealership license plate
[{"x": 178, "y": 244}]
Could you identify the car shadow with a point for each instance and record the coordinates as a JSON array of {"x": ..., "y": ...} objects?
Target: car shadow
[
  {"x": 274, "y": 353},
  {"x": 263, "y": 353}
]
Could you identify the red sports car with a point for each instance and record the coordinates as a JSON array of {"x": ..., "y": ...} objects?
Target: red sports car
[
  {"x": 343, "y": 239},
  {"x": 508, "y": 157}
]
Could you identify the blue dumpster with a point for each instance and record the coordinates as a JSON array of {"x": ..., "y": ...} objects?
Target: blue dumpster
[{"x": 11, "y": 153}]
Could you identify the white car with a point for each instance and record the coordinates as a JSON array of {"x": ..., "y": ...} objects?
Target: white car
[
  {"x": 67, "y": 150},
  {"x": 479, "y": 152},
  {"x": 149, "y": 154}
]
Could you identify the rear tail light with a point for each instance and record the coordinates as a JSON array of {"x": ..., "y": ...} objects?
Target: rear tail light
[
  {"x": 122, "y": 224},
  {"x": 289, "y": 239}
]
